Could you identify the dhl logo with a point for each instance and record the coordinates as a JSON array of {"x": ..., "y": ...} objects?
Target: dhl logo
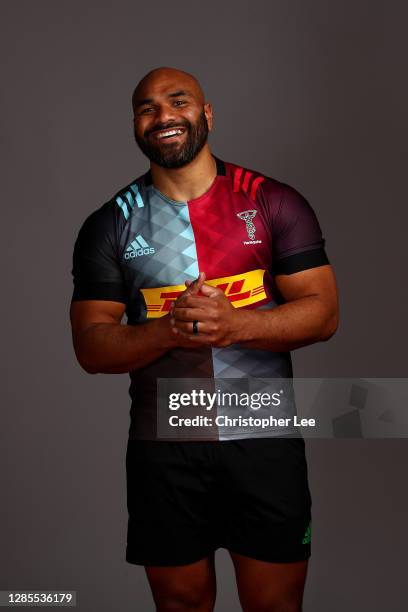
[{"x": 241, "y": 290}]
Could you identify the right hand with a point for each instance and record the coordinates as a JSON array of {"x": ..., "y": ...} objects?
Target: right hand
[{"x": 192, "y": 288}]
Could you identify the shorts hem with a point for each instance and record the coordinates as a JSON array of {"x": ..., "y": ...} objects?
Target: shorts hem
[
  {"x": 136, "y": 559},
  {"x": 294, "y": 558}
]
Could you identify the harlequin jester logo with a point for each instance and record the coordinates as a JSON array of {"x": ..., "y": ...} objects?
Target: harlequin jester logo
[
  {"x": 241, "y": 290},
  {"x": 247, "y": 216}
]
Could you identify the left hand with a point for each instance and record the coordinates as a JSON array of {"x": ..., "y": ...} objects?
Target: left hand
[{"x": 218, "y": 320}]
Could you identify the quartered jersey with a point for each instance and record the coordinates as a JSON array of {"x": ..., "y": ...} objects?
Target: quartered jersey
[{"x": 141, "y": 246}]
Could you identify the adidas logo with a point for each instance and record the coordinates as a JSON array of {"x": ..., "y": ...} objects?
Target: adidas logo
[{"x": 137, "y": 248}]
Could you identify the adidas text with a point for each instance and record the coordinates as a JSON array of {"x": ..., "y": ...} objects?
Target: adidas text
[{"x": 139, "y": 252}]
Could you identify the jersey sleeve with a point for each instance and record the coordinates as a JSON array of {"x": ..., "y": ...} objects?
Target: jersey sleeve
[
  {"x": 297, "y": 238},
  {"x": 96, "y": 271}
]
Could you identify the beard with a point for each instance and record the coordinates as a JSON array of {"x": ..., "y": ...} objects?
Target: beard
[{"x": 174, "y": 155}]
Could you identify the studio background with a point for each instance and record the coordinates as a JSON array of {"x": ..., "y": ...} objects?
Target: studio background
[{"x": 311, "y": 93}]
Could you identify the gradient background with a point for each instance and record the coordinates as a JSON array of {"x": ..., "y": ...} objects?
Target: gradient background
[{"x": 311, "y": 93}]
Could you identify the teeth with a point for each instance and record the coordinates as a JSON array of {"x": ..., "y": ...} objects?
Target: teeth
[{"x": 169, "y": 133}]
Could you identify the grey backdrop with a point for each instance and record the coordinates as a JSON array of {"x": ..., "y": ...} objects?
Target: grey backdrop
[{"x": 312, "y": 93}]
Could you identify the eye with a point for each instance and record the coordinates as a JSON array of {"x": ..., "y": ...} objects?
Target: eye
[
  {"x": 146, "y": 110},
  {"x": 179, "y": 102}
]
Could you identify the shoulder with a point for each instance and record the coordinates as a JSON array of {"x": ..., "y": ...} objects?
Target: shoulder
[
  {"x": 114, "y": 213},
  {"x": 258, "y": 184},
  {"x": 269, "y": 193}
]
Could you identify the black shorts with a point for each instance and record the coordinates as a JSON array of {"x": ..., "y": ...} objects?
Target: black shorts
[{"x": 186, "y": 499}]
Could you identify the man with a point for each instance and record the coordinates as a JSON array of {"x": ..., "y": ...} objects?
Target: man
[{"x": 222, "y": 271}]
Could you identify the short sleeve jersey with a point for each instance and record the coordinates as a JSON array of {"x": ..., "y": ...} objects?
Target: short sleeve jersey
[{"x": 141, "y": 246}]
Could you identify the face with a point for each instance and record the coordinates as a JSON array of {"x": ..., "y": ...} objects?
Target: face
[{"x": 171, "y": 121}]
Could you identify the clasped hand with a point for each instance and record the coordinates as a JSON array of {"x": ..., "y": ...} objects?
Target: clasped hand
[{"x": 217, "y": 320}]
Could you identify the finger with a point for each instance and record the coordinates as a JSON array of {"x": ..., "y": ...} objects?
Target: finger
[
  {"x": 194, "y": 301},
  {"x": 191, "y": 314},
  {"x": 188, "y": 300},
  {"x": 195, "y": 286},
  {"x": 198, "y": 339},
  {"x": 211, "y": 292},
  {"x": 202, "y": 328},
  {"x": 191, "y": 340}
]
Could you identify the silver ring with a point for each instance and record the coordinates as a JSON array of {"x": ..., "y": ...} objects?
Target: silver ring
[{"x": 195, "y": 327}]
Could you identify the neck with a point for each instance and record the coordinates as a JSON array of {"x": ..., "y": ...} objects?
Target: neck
[{"x": 190, "y": 181}]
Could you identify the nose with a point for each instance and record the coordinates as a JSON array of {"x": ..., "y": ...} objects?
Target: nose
[{"x": 165, "y": 113}]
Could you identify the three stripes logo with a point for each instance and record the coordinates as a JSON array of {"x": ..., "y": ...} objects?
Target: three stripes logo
[
  {"x": 247, "y": 181},
  {"x": 128, "y": 199},
  {"x": 138, "y": 247}
]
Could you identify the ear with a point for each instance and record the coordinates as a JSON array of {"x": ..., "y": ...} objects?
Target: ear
[{"x": 208, "y": 111}]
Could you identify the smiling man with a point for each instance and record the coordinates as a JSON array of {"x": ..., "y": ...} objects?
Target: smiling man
[{"x": 221, "y": 271}]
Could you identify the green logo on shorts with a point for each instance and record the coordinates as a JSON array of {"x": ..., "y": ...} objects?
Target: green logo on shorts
[{"x": 308, "y": 534}]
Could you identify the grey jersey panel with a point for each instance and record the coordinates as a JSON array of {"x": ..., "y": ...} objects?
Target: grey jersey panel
[{"x": 157, "y": 249}]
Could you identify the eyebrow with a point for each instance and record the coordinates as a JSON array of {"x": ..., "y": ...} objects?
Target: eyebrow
[
  {"x": 173, "y": 94},
  {"x": 180, "y": 92}
]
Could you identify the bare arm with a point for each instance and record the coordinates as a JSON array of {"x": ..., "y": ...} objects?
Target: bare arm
[
  {"x": 310, "y": 315},
  {"x": 103, "y": 345}
]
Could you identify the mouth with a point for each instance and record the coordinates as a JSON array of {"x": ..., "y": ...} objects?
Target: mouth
[{"x": 169, "y": 135}]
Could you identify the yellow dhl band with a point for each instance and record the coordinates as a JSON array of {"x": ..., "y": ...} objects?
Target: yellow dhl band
[{"x": 241, "y": 290}]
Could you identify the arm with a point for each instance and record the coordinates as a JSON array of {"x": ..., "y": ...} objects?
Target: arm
[
  {"x": 310, "y": 315},
  {"x": 103, "y": 345}
]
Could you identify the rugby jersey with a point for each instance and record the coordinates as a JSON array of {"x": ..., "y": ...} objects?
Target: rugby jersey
[{"x": 141, "y": 246}]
